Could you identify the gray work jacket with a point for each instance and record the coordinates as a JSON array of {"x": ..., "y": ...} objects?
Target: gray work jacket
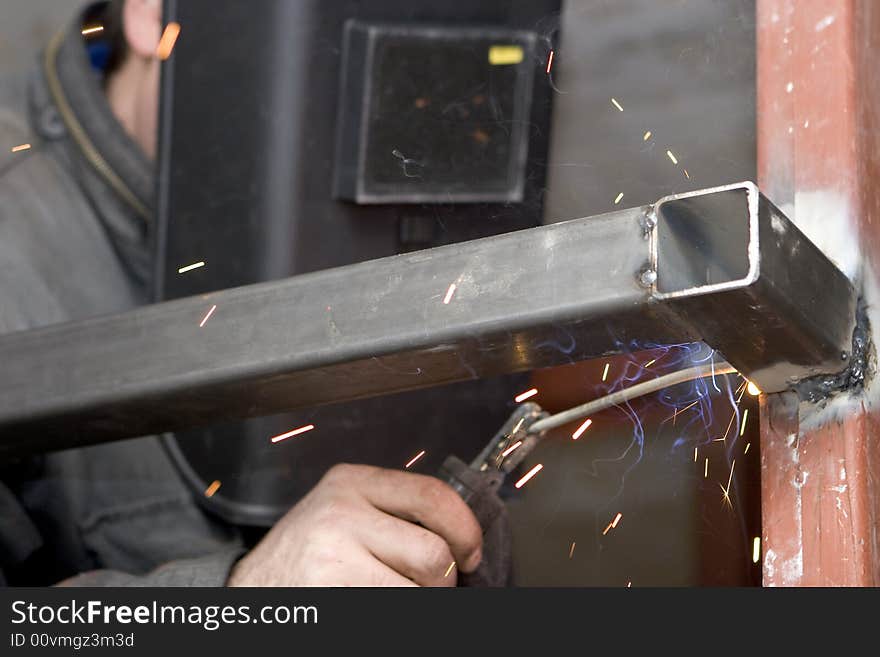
[{"x": 75, "y": 231}]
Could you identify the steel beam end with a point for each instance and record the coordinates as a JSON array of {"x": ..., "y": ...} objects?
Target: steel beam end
[{"x": 735, "y": 269}]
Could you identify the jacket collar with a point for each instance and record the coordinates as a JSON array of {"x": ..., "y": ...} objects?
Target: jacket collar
[{"x": 68, "y": 105}]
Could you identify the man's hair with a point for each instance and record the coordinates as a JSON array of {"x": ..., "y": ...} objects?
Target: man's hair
[{"x": 114, "y": 34}]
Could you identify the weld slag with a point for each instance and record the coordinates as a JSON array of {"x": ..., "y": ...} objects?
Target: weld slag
[{"x": 852, "y": 379}]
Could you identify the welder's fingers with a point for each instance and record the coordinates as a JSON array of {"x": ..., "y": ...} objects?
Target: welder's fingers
[
  {"x": 428, "y": 501},
  {"x": 370, "y": 571},
  {"x": 413, "y": 551}
]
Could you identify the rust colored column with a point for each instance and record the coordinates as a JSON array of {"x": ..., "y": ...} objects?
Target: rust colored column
[{"x": 818, "y": 150}]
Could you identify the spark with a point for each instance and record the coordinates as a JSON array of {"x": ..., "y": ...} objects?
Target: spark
[
  {"x": 449, "y": 570},
  {"x": 208, "y": 316},
  {"x": 742, "y": 429},
  {"x": 571, "y": 551},
  {"x": 295, "y": 432},
  {"x": 415, "y": 458},
  {"x": 531, "y": 473},
  {"x": 729, "y": 425},
  {"x": 753, "y": 390},
  {"x": 726, "y": 496},
  {"x": 616, "y": 104},
  {"x": 605, "y": 372},
  {"x": 706, "y": 469},
  {"x": 580, "y": 430},
  {"x": 650, "y": 362},
  {"x": 617, "y": 200},
  {"x": 613, "y": 523},
  {"x": 695, "y": 454},
  {"x": 166, "y": 43},
  {"x": 525, "y": 395},
  {"x": 747, "y": 448},
  {"x": 195, "y": 265},
  {"x": 677, "y": 410},
  {"x": 449, "y": 294},
  {"x": 672, "y": 157},
  {"x": 210, "y": 490},
  {"x": 549, "y": 62},
  {"x": 756, "y": 549},
  {"x": 647, "y": 136},
  {"x": 20, "y": 147},
  {"x": 687, "y": 174},
  {"x": 629, "y": 584},
  {"x": 518, "y": 425},
  {"x": 789, "y": 87},
  {"x": 92, "y": 30},
  {"x": 511, "y": 448}
]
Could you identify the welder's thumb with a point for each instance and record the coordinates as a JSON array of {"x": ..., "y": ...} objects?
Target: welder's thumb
[{"x": 478, "y": 489}]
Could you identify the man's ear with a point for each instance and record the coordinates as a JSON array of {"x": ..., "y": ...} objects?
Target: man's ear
[{"x": 142, "y": 25}]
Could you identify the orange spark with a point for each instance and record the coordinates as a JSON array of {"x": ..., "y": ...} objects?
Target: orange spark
[
  {"x": 20, "y": 147},
  {"x": 747, "y": 448},
  {"x": 549, "y": 62},
  {"x": 92, "y": 30},
  {"x": 605, "y": 371},
  {"x": 752, "y": 389},
  {"x": 613, "y": 523},
  {"x": 580, "y": 430},
  {"x": 729, "y": 425},
  {"x": 208, "y": 316},
  {"x": 616, "y": 104},
  {"x": 511, "y": 448},
  {"x": 210, "y": 490},
  {"x": 449, "y": 570},
  {"x": 295, "y": 432},
  {"x": 166, "y": 43},
  {"x": 415, "y": 458},
  {"x": 525, "y": 395},
  {"x": 672, "y": 157},
  {"x": 706, "y": 469},
  {"x": 650, "y": 362},
  {"x": 617, "y": 200},
  {"x": 531, "y": 473},
  {"x": 449, "y": 294},
  {"x": 571, "y": 551}
]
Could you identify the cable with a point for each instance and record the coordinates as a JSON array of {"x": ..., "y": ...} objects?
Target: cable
[{"x": 638, "y": 390}]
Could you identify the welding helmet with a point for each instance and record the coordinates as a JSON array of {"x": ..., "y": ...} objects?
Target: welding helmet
[{"x": 300, "y": 136}]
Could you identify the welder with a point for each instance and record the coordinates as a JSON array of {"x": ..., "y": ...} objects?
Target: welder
[{"x": 76, "y": 228}]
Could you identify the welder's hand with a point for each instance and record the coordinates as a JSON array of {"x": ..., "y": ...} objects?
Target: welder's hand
[{"x": 357, "y": 528}]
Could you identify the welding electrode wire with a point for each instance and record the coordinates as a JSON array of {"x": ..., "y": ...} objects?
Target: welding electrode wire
[{"x": 638, "y": 390}]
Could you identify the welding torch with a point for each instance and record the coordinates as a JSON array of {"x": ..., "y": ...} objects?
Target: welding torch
[{"x": 478, "y": 482}]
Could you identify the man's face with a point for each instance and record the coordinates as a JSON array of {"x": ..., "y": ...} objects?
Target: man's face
[{"x": 138, "y": 77}]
